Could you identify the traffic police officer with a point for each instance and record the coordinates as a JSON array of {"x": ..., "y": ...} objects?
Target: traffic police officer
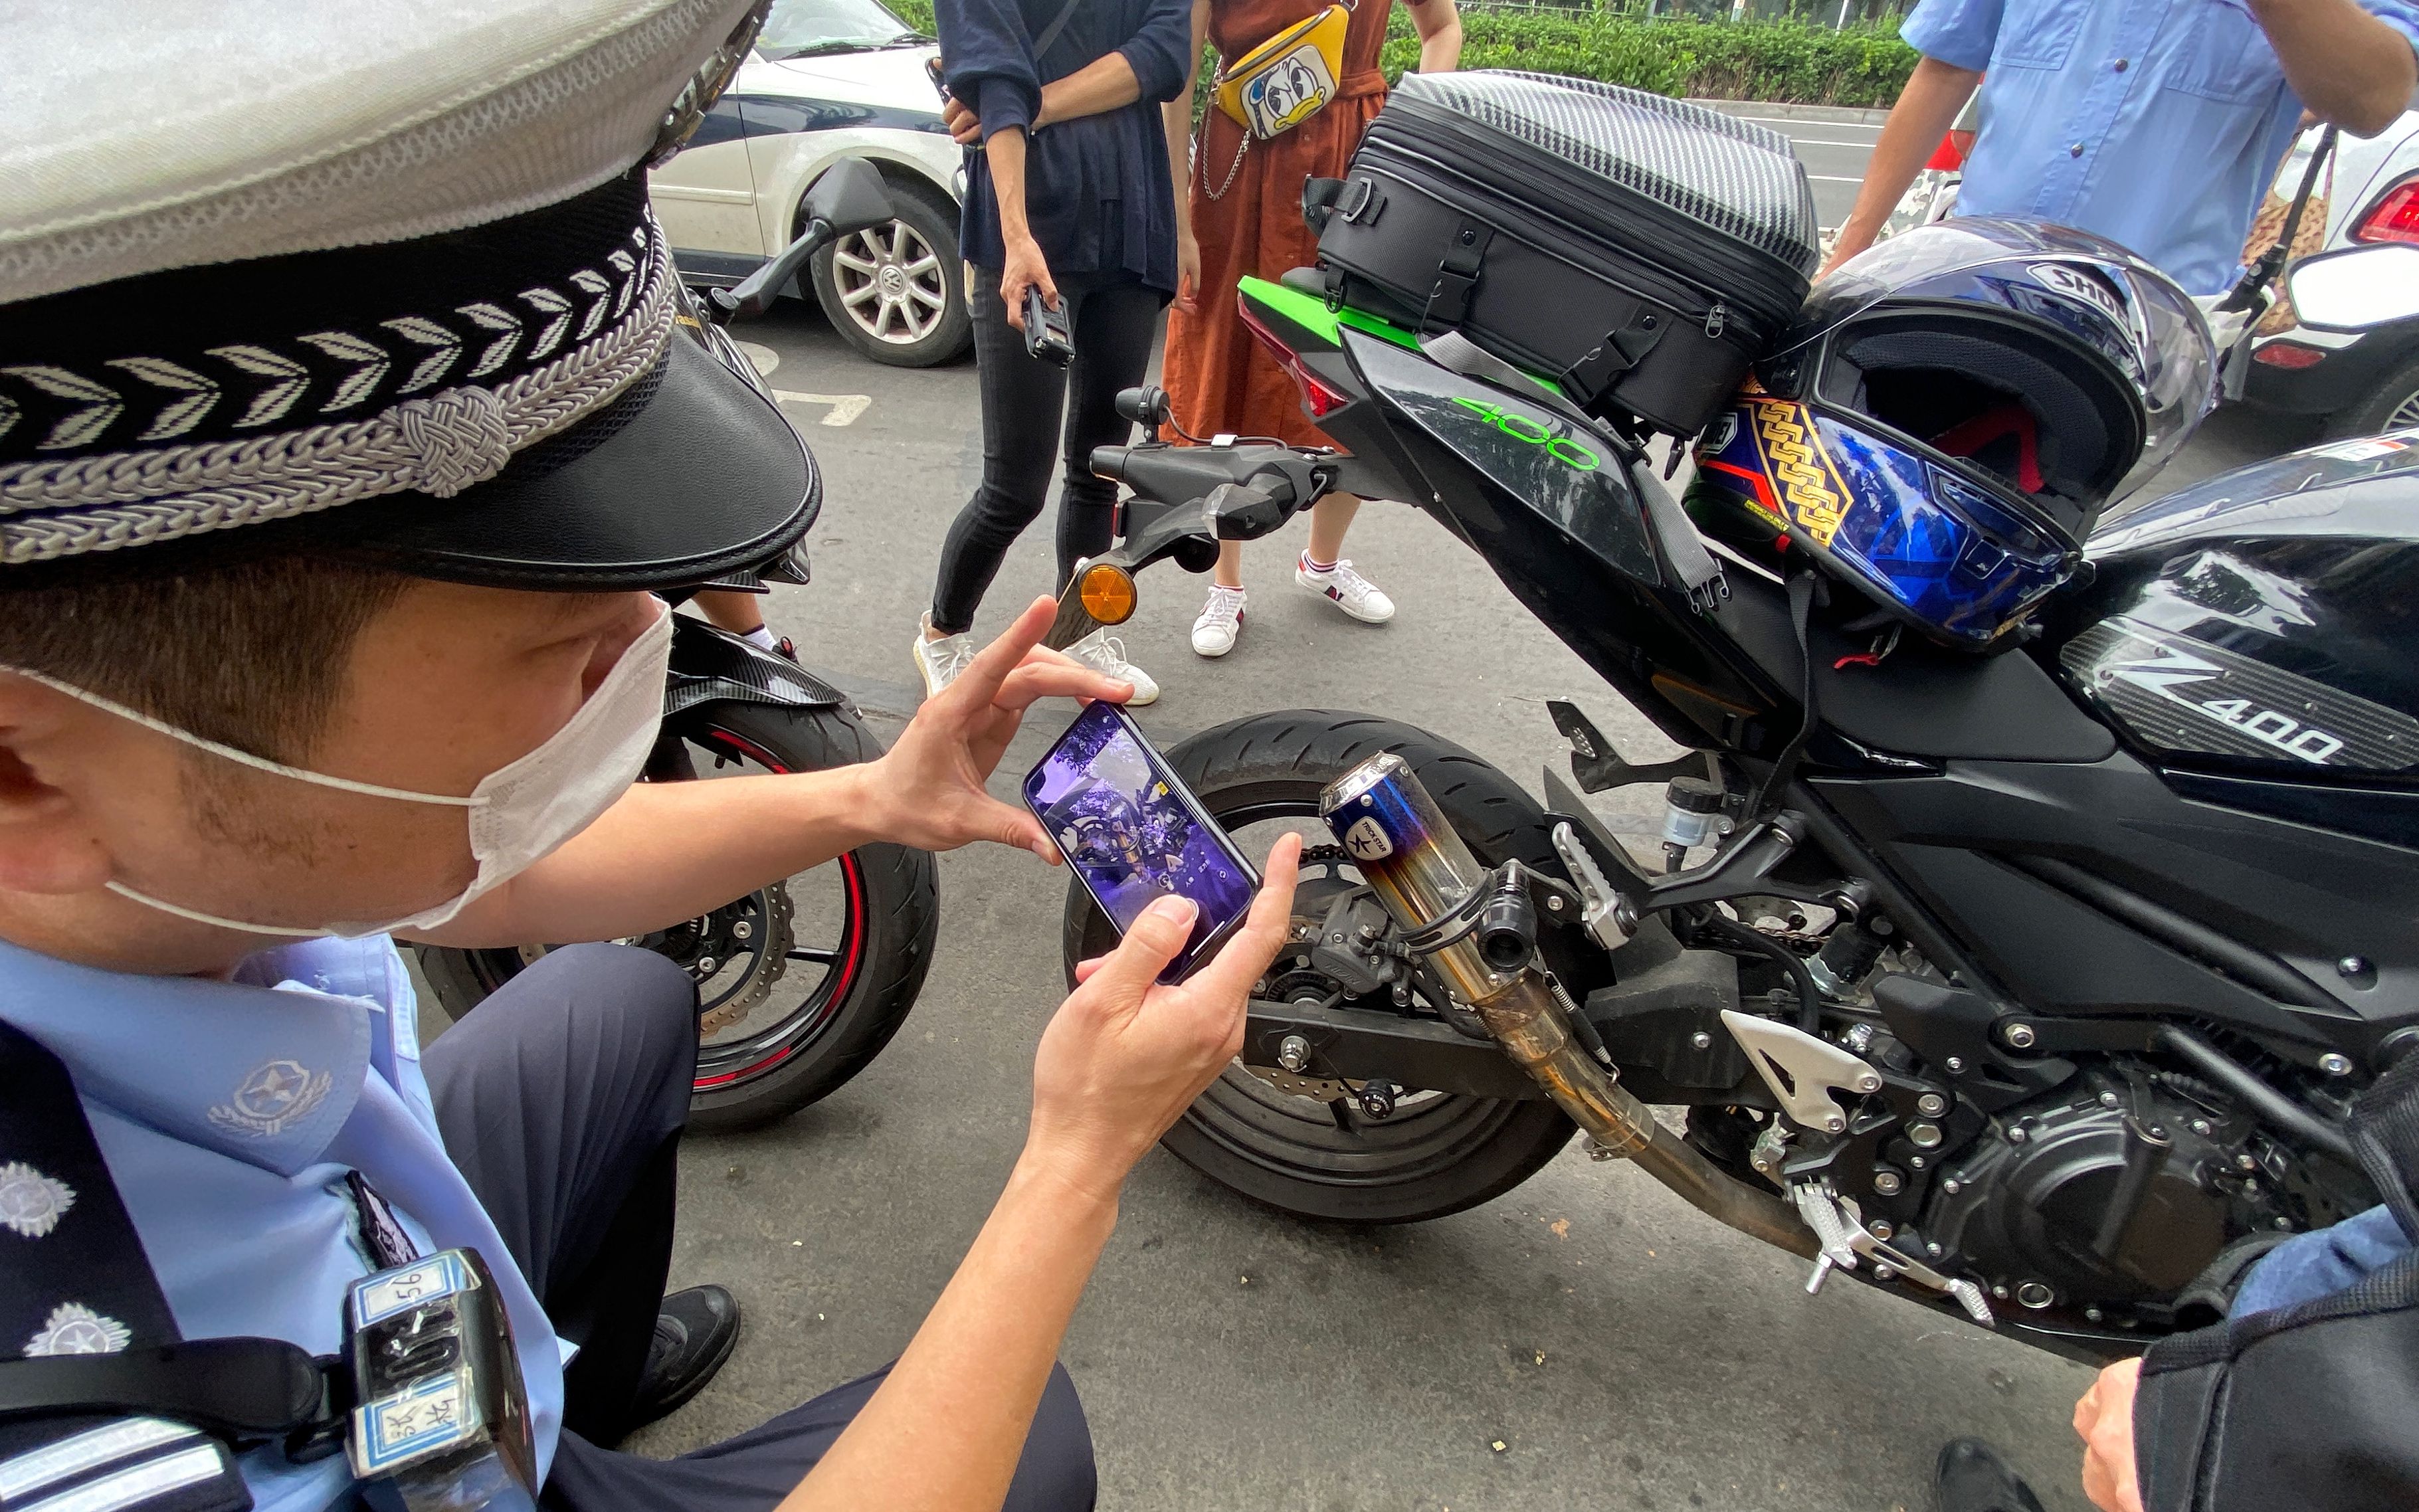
[{"x": 346, "y": 413}]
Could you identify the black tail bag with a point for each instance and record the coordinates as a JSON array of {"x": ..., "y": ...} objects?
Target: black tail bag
[{"x": 1640, "y": 250}]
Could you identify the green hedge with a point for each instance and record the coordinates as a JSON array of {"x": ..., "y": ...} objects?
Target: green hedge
[{"x": 1777, "y": 60}]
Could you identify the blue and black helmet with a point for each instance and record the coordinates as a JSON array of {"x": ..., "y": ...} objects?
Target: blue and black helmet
[{"x": 1950, "y": 413}]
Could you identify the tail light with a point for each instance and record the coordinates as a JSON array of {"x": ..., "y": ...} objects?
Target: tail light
[
  {"x": 2289, "y": 355},
  {"x": 1317, "y": 398},
  {"x": 1949, "y": 156},
  {"x": 2395, "y": 217}
]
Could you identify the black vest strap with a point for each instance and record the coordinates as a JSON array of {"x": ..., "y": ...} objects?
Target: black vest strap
[
  {"x": 78, "y": 1299},
  {"x": 73, "y": 1276}
]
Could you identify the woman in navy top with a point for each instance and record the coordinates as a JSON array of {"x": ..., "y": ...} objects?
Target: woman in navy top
[{"x": 1069, "y": 194}]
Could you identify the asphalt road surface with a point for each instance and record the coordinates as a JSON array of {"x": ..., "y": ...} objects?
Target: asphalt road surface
[{"x": 1586, "y": 1341}]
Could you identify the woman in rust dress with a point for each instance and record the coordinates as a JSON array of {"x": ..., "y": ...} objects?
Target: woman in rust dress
[{"x": 1241, "y": 217}]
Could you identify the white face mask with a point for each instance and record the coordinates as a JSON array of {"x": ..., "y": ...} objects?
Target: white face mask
[{"x": 517, "y": 814}]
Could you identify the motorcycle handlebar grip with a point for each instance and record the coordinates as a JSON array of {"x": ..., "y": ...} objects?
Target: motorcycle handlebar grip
[{"x": 1110, "y": 462}]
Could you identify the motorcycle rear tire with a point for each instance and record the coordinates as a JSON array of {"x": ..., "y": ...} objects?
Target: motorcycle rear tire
[
  {"x": 1441, "y": 1156},
  {"x": 894, "y": 914}
]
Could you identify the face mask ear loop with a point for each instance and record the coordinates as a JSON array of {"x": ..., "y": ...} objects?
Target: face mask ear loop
[
  {"x": 243, "y": 757},
  {"x": 199, "y": 918}
]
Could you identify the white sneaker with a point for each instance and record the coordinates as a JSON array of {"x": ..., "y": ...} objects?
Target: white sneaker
[
  {"x": 1220, "y": 622},
  {"x": 942, "y": 660},
  {"x": 1354, "y": 594},
  {"x": 1104, "y": 653}
]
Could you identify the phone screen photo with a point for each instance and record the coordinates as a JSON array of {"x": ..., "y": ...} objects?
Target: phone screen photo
[{"x": 1131, "y": 832}]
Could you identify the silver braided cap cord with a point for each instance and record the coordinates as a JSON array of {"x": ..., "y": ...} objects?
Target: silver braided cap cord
[{"x": 438, "y": 444}]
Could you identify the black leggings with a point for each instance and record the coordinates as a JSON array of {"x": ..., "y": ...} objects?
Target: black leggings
[{"x": 1022, "y": 398}]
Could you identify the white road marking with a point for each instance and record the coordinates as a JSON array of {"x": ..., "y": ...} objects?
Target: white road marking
[
  {"x": 1809, "y": 142},
  {"x": 1802, "y": 120},
  {"x": 845, "y": 408},
  {"x": 764, "y": 357},
  {"x": 1835, "y": 178}
]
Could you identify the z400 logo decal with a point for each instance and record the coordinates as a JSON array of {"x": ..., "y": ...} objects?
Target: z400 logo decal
[{"x": 1569, "y": 452}]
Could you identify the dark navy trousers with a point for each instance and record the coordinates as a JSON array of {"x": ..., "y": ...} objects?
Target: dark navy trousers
[{"x": 562, "y": 1100}]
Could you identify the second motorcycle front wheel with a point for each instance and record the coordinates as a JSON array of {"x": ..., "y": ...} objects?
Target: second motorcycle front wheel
[
  {"x": 1299, "y": 1144},
  {"x": 799, "y": 984}
]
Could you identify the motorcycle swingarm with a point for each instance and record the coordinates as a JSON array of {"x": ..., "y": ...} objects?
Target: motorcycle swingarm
[
  {"x": 1359, "y": 1045},
  {"x": 711, "y": 666}
]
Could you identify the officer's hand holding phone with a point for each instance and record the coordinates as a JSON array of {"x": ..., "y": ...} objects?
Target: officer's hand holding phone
[{"x": 1128, "y": 1054}]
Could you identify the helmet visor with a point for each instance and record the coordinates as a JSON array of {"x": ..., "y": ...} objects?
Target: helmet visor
[{"x": 1952, "y": 557}]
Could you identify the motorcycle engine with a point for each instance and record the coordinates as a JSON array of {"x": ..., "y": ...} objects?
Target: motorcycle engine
[{"x": 2113, "y": 1190}]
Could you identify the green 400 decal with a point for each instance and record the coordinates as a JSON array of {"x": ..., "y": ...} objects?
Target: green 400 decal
[{"x": 1521, "y": 429}]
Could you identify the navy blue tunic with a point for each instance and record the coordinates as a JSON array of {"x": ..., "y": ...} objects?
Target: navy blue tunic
[{"x": 1097, "y": 193}]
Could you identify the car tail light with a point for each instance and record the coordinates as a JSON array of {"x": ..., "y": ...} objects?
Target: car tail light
[
  {"x": 2289, "y": 355},
  {"x": 2395, "y": 217},
  {"x": 1320, "y": 400},
  {"x": 1964, "y": 142}
]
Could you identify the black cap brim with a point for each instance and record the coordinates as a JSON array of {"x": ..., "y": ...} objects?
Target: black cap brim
[{"x": 687, "y": 476}]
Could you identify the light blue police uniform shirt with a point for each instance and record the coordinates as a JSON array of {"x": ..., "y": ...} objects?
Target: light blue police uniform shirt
[
  {"x": 229, "y": 1114},
  {"x": 2155, "y": 123}
]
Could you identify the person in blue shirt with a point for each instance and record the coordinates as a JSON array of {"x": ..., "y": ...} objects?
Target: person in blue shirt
[
  {"x": 2155, "y": 123},
  {"x": 351, "y": 411},
  {"x": 1068, "y": 193}
]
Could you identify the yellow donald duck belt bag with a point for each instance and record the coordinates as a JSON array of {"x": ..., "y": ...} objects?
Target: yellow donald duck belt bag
[{"x": 1287, "y": 79}]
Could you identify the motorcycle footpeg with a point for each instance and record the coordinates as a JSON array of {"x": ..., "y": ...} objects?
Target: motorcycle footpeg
[{"x": 1602, "y": 912}]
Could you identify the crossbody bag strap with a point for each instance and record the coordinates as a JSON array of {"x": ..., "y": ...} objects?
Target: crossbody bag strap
[{"x": 1058, "y": 25}]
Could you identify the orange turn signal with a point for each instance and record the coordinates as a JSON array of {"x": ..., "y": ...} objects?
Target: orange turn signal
[{"x": 1108, "y": 593}]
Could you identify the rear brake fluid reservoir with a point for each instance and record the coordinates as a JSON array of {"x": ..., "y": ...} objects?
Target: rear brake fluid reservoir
[{"x": 1692, "y": 808}]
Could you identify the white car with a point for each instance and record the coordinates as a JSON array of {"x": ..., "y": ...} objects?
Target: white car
[
  {"x": 2367, "y": 380},
  {"x": 830, "y": 80}
]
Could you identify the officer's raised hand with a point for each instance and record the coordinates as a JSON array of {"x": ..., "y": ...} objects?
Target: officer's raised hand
[
  {"x": 928, "y": 791},
  {"x": 1127, "y": 1054}
]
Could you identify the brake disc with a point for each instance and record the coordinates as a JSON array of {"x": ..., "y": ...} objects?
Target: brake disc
[{"x": 771, "y": 961}]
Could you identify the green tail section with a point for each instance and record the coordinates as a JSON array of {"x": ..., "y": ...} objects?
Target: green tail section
[
  {"x": 1309, "y": 314},
  {"x": 1312, "y": 314}
]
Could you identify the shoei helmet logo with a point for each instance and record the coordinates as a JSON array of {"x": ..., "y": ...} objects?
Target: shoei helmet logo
[{"x": 1521, "y": 429}]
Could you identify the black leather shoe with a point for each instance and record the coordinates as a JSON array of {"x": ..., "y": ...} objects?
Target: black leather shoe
[
  {"x": 1971, "y": 1477},
  {"x": 694, "y": 1335}
]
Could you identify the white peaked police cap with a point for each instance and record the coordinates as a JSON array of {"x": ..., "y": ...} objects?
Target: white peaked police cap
[{"x": 368, "y": 275}]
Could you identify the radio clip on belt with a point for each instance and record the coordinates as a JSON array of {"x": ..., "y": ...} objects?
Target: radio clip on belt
[{"x": 426, "y": 1399}]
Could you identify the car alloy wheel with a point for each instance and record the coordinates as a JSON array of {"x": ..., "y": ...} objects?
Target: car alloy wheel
[{"x": 892, "y": 283}]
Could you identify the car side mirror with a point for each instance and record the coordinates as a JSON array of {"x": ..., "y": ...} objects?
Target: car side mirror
[
  {"x": 850, "y": 197},
  {"x": 2357, "y": 288}
]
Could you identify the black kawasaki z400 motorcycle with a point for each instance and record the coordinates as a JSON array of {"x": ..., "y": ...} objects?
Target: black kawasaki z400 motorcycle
[
  {"x": 2034, "y": 990},
  {"x": 799, "y": 984}
]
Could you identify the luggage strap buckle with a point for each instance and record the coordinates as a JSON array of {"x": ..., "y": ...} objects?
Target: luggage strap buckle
[
  {"x": 1622, "y": 348},
  {"x": 1458, "y": 274}
]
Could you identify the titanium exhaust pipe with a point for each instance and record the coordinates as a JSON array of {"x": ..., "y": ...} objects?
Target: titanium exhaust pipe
[{"x": 1385, "y": 820}]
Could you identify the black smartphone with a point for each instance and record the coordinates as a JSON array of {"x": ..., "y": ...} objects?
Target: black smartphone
[
  {"x": 1131, "y": 832},
  {"x": 1047, "y": 334},
  {"x": 940, "y": 79}
]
